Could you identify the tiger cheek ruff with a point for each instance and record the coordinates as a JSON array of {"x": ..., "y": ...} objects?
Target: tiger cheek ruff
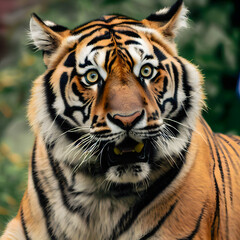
[{"x": 121, "y": 150}]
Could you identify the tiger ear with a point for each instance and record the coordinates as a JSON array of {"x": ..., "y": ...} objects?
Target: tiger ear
[
  {"x": 46, "y": 35},
  {"x": 169, "y": 20}
]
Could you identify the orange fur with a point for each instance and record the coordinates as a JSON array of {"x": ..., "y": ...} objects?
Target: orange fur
[{"x": 202, "y": 199}]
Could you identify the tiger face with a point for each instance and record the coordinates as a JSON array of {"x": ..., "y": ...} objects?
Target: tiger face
[{"x": 116, "y": 100}]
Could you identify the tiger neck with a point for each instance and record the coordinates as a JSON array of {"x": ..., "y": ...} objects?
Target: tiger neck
[{"x": 76, "y": 193}]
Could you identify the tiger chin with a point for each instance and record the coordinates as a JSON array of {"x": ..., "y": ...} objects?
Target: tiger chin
[{"x": 121, "y": 150}]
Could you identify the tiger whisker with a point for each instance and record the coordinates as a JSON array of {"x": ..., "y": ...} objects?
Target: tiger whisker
[
  {"x": 86, "y": 143},
  {"x": 70, "y": 147},
  {"x": 194, "y": 130},
  {"x": 166, "y": 156}
]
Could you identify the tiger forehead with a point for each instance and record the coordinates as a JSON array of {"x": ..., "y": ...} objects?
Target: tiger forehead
[
  {"x": 110, "y": 33},
  {"x": 107, "y": 21},
  {"x": 101, "y": 44}
]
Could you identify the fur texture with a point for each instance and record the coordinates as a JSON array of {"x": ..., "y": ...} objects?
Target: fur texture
[{"x": 121, "y": 149}]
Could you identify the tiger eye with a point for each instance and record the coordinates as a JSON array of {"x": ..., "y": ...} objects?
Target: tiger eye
[
  {"x": 92, "y": 77},
  {"x": 146, "y": 71}
]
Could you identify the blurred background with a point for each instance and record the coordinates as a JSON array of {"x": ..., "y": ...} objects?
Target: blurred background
[{"x": 211, "y": 42}]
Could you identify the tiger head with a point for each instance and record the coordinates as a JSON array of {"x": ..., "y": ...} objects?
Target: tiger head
[{"x": 116, "y": 100}]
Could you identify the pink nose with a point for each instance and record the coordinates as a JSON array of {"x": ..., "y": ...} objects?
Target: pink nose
[{"x": 127, "y": 120}]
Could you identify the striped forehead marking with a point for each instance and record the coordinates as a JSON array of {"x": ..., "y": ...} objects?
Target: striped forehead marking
[
  {"x": 116, "y": 46},
  {"x": 106, "y": 22}
]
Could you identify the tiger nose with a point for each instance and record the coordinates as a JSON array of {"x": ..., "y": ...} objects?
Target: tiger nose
[{"x": 127, "y": 121}]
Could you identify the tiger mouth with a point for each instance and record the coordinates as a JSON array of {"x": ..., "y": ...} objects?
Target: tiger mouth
[{"x": 127, "y": 152}]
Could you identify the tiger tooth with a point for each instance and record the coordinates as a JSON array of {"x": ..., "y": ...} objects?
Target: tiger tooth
[
  {"x": 117, "y": 151},
  {"x": 139, "y": 147}
]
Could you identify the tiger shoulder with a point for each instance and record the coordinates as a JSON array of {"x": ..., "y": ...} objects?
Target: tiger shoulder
[{"x": 121, "y": 150}]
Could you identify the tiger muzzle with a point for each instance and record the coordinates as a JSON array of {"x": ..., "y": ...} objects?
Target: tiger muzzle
[{"x": 127, "y": 152}]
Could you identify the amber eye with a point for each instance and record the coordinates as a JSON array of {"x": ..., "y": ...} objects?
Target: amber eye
[
  {"x": 91, "y": 76},
  {"x": 146, "y": 71}
]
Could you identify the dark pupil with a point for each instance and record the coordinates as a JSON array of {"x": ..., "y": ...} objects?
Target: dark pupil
[
  {"x": 93, "y": 75},
  {"x": 146, "y": 70}
]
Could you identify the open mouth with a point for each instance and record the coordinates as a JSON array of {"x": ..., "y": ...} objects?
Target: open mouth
[{"x": 127, "y": 152}]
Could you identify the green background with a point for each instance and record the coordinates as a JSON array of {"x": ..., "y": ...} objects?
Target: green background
[{"x": 211, "y": 42}]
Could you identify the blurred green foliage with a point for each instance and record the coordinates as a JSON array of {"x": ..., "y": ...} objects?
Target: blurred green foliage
[{"x": 211, "y": 42}]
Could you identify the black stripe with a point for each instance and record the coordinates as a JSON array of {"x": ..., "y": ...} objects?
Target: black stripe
[
  {"x": 230, "y": 145},
  {"x": 122, "y": 55},
  {"x": 130, "y": 22},
  {"x": 221, "y": 173},
  {"x": 70, "y": 61},
  {"x": 61, "y": 123},
  {"x": 186, "y": 105},
  {"x": 63, "y": 83},
  {"x": 97, "y": 48},
  {"x": 68, "y": 112},
  {"x": 235, "y": 139},
  {"x": 228, "y": 154},
  {"x": 176, "y": 81},
  {"x": 128, "y": 33},
  {"x": 94, "y": 120},
  {"x": 137, "y": 23},
  {"x": 168, "y": 70},
  {"x": 156, "y": 80},
  {"x": 62, "y": 184},
  {"x": 129, "y": 42},
  {"x": 220, "y": 167},
  {"x": 85, "y": 64},
  {"x": 58, "y": 28},
  {"x": 95, "y": 40},
  {"x": 86, "y": 24},
  {"x": 194, "y": 232},
  {"x": 216, "y": 214},
  {"x": 110, "y": 45},
  {"x": 88, "y": 34},
  {"x": 148, "y": 57},
  {"x": 42, "y": 198},
  {"x": 111, "y": 64},
  {"x": 153, "y": 191},
  {"x": 72, "y": 48},
  {"x": 115, "y": 16},
  {"x": 101, "y": 86},
  {"x": 160, "y": 223},
  {"x": 88, "y": 27},
  {"x": 227, "y": 167},
  {"x": 24, "y": 225},
  {"x": 107, "y": 59},
  {"x": 117, "y": 37},
  {"x": 131, "y": 63},
  {"x": 160, "y": 55},
  {"x": 187, "y": 89}
]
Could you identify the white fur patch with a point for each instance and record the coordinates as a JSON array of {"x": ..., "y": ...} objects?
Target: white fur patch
[
  {"x": 39, "y": 37},
  {"x": 50, "y": 23},
  {"x": 74, "y": 38},
  {"x": 129, "y": 175},
  {"x": 182, "y": 20},
  {"x": 144, "y": 29},
  {"x": 163, "y": 11}
]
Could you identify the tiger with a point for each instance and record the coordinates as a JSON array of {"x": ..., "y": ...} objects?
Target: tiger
[{"x": 121, "y": 148}]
